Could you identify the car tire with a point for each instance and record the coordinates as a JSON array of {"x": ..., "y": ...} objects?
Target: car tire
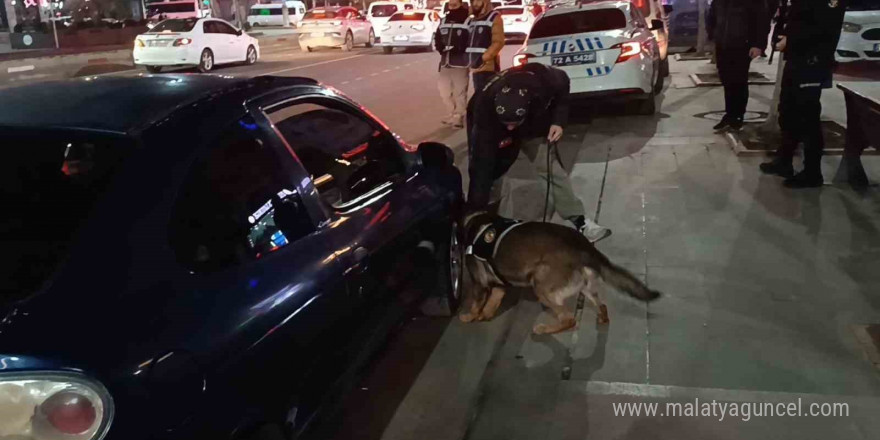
[
  {"x": 664, "y": 67},
  {"x": 206, "y": 61},
  {"x": 370, "y": 39},
  {"x": 349, "y": 42},
  {"x": 450, "y": 283},
  {"x": 306, "y": 49},
  {"x": 251, "y": 56},
  {"x": 658, "y": 81},
  {"x": 648, "y": 105},
  {"x": 154, "y": 69},
  {"x": 387, "y": 49}
]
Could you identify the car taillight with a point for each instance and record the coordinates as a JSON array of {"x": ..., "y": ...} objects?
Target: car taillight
[
  {"x": 521, "y": 58},
  {"x": 335, "y": 23},
  {"x": 628, "y": 50},
  {"x": 418, "y": 27},
  {"x": 138, "y": 42},
  {"x": 182, "y": 42},
  {"x": 69, "y": 412}
]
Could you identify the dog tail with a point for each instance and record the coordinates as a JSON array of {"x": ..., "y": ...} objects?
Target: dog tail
[{"x": 623, "y": 280}]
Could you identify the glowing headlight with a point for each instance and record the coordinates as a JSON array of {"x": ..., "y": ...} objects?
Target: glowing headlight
[
  {"x": 851, "y": 27},
  {"x": 45, "y": 406}
]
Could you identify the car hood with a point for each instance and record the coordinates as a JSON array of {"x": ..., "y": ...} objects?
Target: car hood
[{"x": 862, "y": 17}]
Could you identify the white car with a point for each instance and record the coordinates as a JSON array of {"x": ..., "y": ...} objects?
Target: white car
[
  {"x": 606, "y": 48},
  {"x": 409, "y": 29},
  {"x": 201, "y": 42},
  {"x": 335, "y": 27},
  {"x": 860, "y": 37},
  {"x": 518, "y": 21},
  {"x": 381, "y": 11}
]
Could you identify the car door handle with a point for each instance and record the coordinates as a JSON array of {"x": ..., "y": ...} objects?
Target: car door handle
[{"x": 359, "y": 263}]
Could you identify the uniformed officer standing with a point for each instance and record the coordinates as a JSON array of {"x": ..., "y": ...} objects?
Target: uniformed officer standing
[
  {"x": 524, "y": 108},
  {"x": 487, "y": 40},
  {"x": 809, "y": 40},
  {"x": 452, "y": 41}
]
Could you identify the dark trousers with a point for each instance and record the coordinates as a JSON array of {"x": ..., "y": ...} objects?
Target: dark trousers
[
  {"x": 800, "y": 111},
  {"x": 486, "y": 164},
  {"x": 733, "y": 68},
  {"x": 480, "y": 80}
]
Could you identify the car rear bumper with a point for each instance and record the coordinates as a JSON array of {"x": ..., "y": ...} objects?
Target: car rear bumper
[
  {"x": 328, "y": 40},
  {"x": 165, "y": 56},
  {"x": 420, "y": 40},
  {"x": 628, "y": 75}
]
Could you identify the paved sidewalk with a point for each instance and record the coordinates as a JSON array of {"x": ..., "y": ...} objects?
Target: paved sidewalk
[{"x": 762, "y": 287}]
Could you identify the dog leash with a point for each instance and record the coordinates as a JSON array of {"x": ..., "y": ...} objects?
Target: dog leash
[{"x": 550, "y": 147}]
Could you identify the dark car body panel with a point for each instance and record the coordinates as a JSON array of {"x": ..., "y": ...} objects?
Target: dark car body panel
[{"x": 190, "y": 355}]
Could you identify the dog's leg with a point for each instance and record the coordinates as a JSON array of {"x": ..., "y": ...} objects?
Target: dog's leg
[
  {"x": 492, "y": 305},
  {"x": 548, "y": 295},
  {"x": 593, "y": 294}
]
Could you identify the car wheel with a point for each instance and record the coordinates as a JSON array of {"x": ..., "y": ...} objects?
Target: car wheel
[
  {"x": 664, "y": 67},
  {"x": 154, "y": 69},
  {"x": 450, "y": 253},
  {"x": 306, "y": 49},
  {"x": 206, "y": 61},
  {"x": 658, "y": 82},
  {"x": 349, "y": 42},
  {"x": 251, "y": 57},
  {"x": 370, "y": 39},
  {"x": 387, "y": 49},
  {"x": 648, "y": 105}
]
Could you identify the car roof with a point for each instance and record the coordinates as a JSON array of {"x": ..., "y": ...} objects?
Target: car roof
[
  {"x": 587, "y": 6},
  {"x": 121, "y": 105}
]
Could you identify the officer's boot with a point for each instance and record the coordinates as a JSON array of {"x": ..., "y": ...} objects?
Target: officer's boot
[
  {"x": 811, "y": 176},
  {"x": 781, "y": 165}
]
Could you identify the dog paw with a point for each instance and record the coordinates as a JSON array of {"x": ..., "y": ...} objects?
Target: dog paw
[
  {"x": 540, "y": 329},
  {"x": 467, "y": 317}
]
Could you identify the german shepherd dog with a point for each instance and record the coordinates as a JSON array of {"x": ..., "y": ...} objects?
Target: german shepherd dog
[{"x": 556, "y": 261}]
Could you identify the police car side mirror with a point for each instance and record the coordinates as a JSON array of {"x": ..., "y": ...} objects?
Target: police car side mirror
[
  {"x": 656, "y": 25},
  {"x": 435, "y": 155}
]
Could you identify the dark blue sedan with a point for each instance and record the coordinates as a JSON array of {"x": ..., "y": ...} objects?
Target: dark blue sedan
[{"x": 206, "y": 257}]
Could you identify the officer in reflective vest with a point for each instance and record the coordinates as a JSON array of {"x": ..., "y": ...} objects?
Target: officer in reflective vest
[
  {"x": 487, "y": 40},
  {"x": 452, "y": 41}
]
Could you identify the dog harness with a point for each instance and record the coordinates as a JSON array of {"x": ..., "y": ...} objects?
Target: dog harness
[{"x": 486, "y": 241}]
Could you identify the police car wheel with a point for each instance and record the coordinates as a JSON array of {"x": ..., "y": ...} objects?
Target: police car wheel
[{"x": 387, "y": 49}]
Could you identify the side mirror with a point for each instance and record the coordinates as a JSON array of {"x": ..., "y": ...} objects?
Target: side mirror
[
  {"x": 668, "y": 9},
  {"x": 238, "y": 32},
  {"x": 656, "y": 25},
  {"x": 436, "y": 155}
]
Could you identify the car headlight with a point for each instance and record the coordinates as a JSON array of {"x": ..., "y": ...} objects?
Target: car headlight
[
  {"x": 851, "y": 27},
  {"x": 45, "y": 406}
]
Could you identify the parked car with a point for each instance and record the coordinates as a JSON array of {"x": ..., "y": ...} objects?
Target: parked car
[
  {"x": 606, "y": 48},
  {"x": 381, "y": 11},
  {"x": 161, "y": 10},
  {"x": 654, "y": 10},
  {"x": 203, "y": 43},
  {"x": 518, "y": 21},
  {"x": 205, "y": 257},
  {"x": 335, "y": 27},
  {"x": 272, "y": 14},
  {"x": 410, "y": 29},
  {"x": 860, "y": 37}
]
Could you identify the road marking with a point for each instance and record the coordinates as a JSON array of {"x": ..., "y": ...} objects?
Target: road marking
[
  {"x": 312, "y": 65},
  {"x": 374, "y": 74},
  {"x": 19, "y": 69},
  {"x": 359, "y": 78},
  {"x": 386, "y": 71},
  {"x": 344, "y": 83}
]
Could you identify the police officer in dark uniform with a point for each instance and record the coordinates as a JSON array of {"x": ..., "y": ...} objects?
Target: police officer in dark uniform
[
  {"x": 809, "y": 40},
  {"x": 523, "y": 108}
]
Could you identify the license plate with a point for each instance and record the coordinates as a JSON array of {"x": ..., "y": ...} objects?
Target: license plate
[
  {"x": 573, "y": 59},
  {"x": 317, "y": 34},
  {"x": 401, "y": 38},
  {"x": 157, "y": 43}
]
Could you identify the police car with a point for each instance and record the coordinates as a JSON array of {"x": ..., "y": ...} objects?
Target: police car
[{"x": 606, "y": 48}]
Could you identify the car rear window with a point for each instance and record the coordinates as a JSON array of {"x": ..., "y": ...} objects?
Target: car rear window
[
  {"x": 578, "y": 22},
  {"x": 51, "y": 183},
  {"x": 511, "y": 11},
  {"x": 319, "y": 15},
  {"x": 383, "y": 10},
  {"x": 175, "y": 25},
  {"x": 408, "y": 16}
]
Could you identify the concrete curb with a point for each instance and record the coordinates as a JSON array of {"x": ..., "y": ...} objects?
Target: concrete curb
[
  {"x": 700, "y": 83},
  {"x": 735, "y": 142}
]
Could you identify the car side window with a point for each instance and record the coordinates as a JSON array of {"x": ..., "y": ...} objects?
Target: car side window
[
  {"x": 346, "y": 155},
  {"x": 407, "y": 7},
  {"x": 236, "y": 204},
  {"x": 208, "y": 27},
  {"x": 225, "y": 28}
]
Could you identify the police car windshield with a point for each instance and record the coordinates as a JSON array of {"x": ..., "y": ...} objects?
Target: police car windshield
[
  {"x": 408, "y": 16},
  {"x": 863, "y": 5},
  {"x": 578, "y": 22},
  {"x": 175, "y": 25},
  {"x": 383, "y": 10},
  {"x": 511, "y": 11}
]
